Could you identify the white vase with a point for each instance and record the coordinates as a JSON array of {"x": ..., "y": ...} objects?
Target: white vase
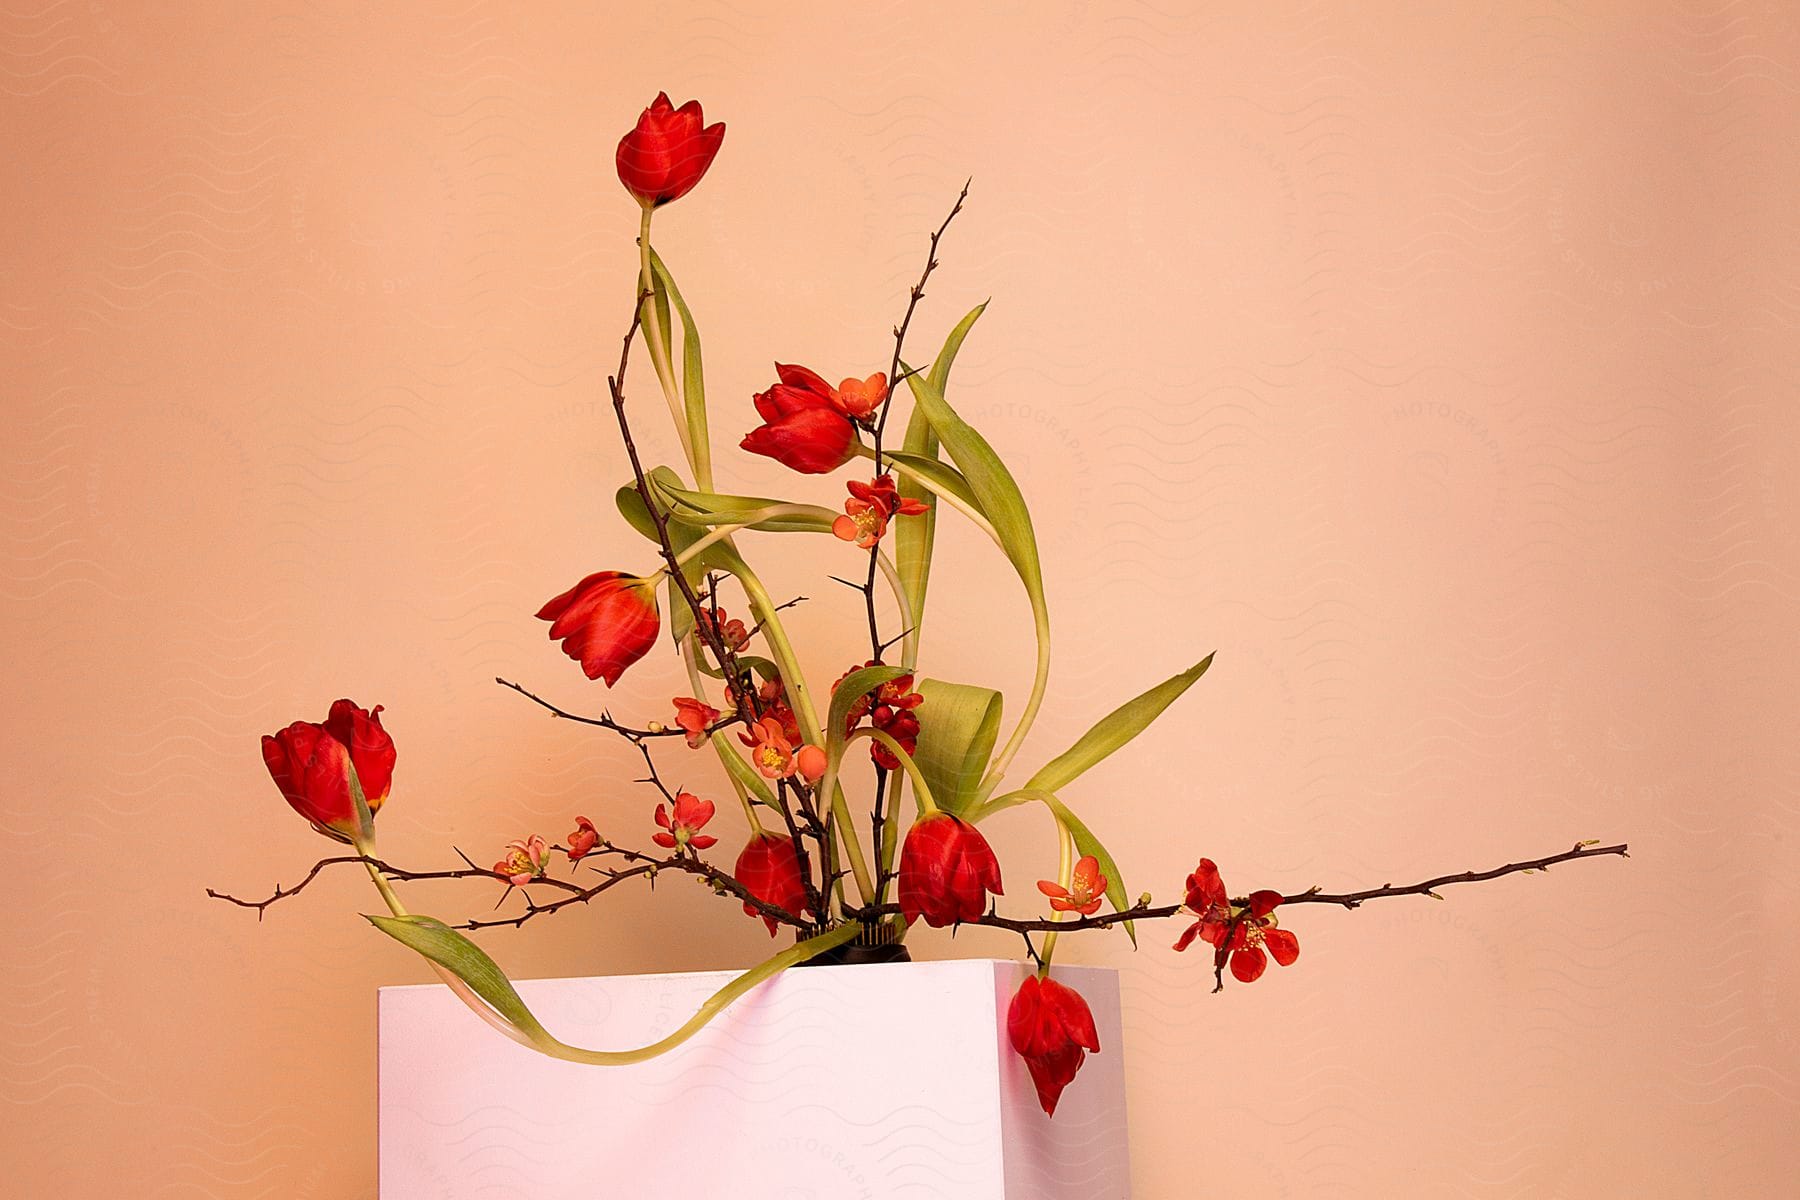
[{"x": 862, "y": 1082}]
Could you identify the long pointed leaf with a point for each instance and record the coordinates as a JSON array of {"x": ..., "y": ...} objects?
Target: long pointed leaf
[
  {"x": 464, "y": 959},
  {"x": 1114, "y": 730},
  {"x": 693, "y": 374},
  {"x": 708, "y": 508},
  {"x": 913, "y": 540}
]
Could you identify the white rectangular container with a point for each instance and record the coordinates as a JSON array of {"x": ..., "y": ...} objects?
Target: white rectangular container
[{"x": 865, "y": 1082}]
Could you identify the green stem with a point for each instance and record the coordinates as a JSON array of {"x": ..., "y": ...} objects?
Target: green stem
[
  {"x": 719, "y": 744},
  {"x": 810, "y": 729},
  {"x": 720, "y": 1000},
  {"x": 1040, "y": 682},
  {"x": 1065, "y": 874}
]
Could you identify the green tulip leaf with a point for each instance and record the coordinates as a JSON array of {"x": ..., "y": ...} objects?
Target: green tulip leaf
[
  {"x": 926, "y": 474},
  {"x": 718, "y": 557},
  {"x": 994, "y": 489},
  {"x": 706, "y": 508},
  {"x": 958, "y": 725},
  {"x": 913, "y": 539},
  {"x": 693, "y": 376},
  {"x": 465, "y": 960},
  {"x": 1114, "y": 730}
]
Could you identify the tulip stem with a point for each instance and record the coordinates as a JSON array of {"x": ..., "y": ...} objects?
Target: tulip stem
[
  {"x": 1040, "y": 682},
  {"x": 921, "y": 789},
  {"x": 808, "y": 716},
  {"x": 720, "y": 747},
  {"x": 659, "y": 356},
  {"x": 717, "y": 1003},
  {"x": 1065, "y": 874}
]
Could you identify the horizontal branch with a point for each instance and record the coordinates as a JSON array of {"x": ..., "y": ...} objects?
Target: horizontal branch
[
  {"x": 1148, "y": 912},
  {"x": 575, "y": 893}
]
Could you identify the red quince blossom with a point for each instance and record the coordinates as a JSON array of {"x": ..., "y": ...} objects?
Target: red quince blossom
[
  {"x": 859, "y": 398},
  {"x": 695, "y": 717},
  {"x": 1087, "y": 888},
  {"x": 311, "y": 763},
  {"x": 1250, "y": 927},
  {"x": 1052, "y": 1029},
  {"x": 525, "y": 860},
  {"x": 771, "y": 753},
  {"x": 889, "y": 708},
  {"x": 683, "y": 829},
  {"x": 770, "y": 869},
  {"x": 946, "y": 870},
  {"x": 583, "y": 840},
  {"x": 802, "y": 428},
  {"x": 731, "y": 631},
  {"x": 667, "y": 152},
  {"x": 870, "y": 507},
  {"x": 606, "y": 622}
]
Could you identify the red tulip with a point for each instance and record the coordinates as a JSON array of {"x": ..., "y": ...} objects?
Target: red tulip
[
  {"x": 669, "y": 150},
  {"x": 946, "y": 869},
  {"x": 1051, "y": 1028},
  {"x": 1240, "y": 931},
  {"x": 311, "y": 764},
  {"x": 802, "y": 427},
  {"x": 606, "y": 622},
  {"x": 771, "y": 870}
]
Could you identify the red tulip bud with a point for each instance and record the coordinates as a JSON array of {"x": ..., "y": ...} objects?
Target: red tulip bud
[
  {"x": 311, "y": 764},
  {"x": 665, "y": 155},
  {"x": 771, "y": 870}
]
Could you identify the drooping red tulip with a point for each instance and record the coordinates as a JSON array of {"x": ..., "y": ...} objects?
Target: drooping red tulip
[
  {"x": 667, "y": 152},
  {"x": 1240, "y": 931},
  {"x": 606, "y": 622},
  {"x": 1052, "y": 1029},
  {"x": 769, "y": 867},
  {"x": 311, "y": 763},
  {"x": 802, "y": 428},
  {"x": 946, "y": 871}
]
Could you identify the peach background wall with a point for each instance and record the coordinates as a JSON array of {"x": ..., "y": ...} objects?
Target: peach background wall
[{"x": 1434, "y": 364}]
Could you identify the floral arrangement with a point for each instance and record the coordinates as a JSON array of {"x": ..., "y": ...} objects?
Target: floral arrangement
[{"x": 846, "y": 888}]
